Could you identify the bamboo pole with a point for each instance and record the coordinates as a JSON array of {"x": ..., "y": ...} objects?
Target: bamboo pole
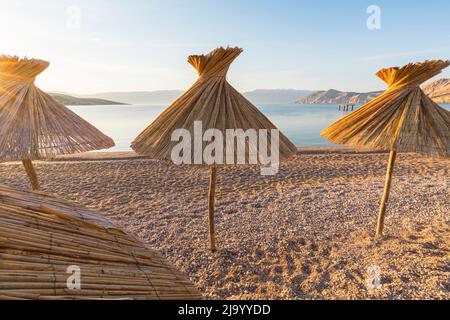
[
  {"x": 28, "y": 165},
  {"x": 387, "y": 190},
  {"x": 212, "y": 191}
]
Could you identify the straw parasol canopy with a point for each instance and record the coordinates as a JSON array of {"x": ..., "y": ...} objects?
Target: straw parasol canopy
[
  {"x": 33, "y": 125},
  {"x": 53, "y": 249},
  {"x": 214, "y": 103},
  {"x": 402, "y": 119}
]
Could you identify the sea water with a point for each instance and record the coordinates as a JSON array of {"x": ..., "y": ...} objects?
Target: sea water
[{"x": 300, "y": 123}]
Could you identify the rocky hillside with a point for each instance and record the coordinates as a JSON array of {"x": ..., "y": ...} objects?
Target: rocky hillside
[
  {"x": 74, "y": 101},
  {"x": 338, "y": 97},
  {"x": 438, "y": 90}
]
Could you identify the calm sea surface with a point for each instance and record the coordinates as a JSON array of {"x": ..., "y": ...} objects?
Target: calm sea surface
[{"x": 300, "y": 123}]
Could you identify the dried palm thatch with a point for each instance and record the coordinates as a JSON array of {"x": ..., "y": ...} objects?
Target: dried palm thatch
[
  {"x": 213, "y": 102},
  {"x": 217, "y": 105},
  {"x": 402, "y": 119},
  {"x": 33, "y": 125},
  {"x": 43, "y": 239}
]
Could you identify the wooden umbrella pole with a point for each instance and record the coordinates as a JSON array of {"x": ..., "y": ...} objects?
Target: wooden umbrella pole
[
  {"x": 212, "y": 191},
  {"x": 28, "y": 165},
  {"x": 387, "y": 190}
]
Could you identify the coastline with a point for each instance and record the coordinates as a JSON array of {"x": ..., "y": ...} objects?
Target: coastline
[{"x": 129, "y": 155}]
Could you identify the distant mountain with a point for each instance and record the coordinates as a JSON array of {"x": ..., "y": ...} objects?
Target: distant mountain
[
  {"x": 438, "y": 90},
  {"x": 75, "y": 101},
  {"x": 276, "y": 96},
  {"x": 165, "y": 97},
  {"x": 339, "y": 97},
  {"x": 140, "y": 97}
]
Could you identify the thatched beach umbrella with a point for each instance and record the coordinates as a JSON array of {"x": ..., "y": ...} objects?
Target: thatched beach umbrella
[
  {"x": 44, "y": 241},
  {"x": 214, "y": 103},
  {"x": 402, "y": 119},
  {"x": 33, "y": 125}
]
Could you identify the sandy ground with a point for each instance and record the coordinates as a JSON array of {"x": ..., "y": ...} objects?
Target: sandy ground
[{"x": 305, "y": 233}]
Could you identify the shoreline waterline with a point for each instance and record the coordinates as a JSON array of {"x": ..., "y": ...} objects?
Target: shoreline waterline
[{"x": 129, "y": 155}]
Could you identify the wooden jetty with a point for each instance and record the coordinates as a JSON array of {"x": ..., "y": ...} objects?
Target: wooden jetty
[{"x": 346, "y": 107}]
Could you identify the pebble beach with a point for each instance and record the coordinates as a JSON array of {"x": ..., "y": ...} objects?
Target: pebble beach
[{"x": 305, "y": 233}]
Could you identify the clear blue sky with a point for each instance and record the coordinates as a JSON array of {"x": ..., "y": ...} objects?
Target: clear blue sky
[{"x": 143, "y": 44}]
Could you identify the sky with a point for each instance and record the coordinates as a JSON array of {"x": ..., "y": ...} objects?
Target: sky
[{"x": 142, "y": 45}]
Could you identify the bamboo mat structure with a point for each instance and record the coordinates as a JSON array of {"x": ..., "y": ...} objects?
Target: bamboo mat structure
[
  {"x": 42, "y": 236},
  {"x": 217, "y": 105},
  {"x": 402, "y": 119},
  {"x": 33, "y": 125}
]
